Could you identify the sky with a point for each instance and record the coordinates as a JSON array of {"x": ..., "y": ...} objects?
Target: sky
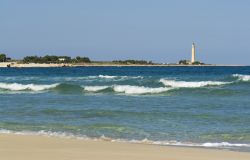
[{"x": 157, "y": 30}]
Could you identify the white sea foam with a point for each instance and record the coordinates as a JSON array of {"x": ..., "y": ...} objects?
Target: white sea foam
[
  {"x": 94, "y": 88},
  {"x": 107, "y": 76},
  {"x": 127, "y": 89},
  {"x": 225, "y": 144},
  {"x": 190, "y": 144},
  {"x": 144, "y": 141},
  {"x": 242, "y": 77},
  {"x": 43, "y": 133},
  {"x": 185, "y": 84},
  {"x": 116, "y": 77},
  {"x": 21, "y": 87}
]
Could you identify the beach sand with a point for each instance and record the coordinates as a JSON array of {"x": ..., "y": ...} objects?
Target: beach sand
[
  {"x": 31, "y": 65},
  {"x": 27, "y": 147}
]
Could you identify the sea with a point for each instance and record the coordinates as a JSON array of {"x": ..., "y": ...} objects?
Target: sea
[{"x": 178, "y": 106}]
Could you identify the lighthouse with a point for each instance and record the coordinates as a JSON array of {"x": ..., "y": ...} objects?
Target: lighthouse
[{"x": 193, "y": 53}]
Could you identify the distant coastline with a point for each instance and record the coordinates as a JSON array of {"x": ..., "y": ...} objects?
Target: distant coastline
[
  {"x": 102, "y": 64},
  {"x": 67, "y": 61}
]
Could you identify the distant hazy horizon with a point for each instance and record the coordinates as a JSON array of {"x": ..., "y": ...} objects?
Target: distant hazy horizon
[{"x": 159, "y": 30}]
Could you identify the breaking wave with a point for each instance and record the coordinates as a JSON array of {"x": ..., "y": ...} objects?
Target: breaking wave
[
  {"x": 22, "y": 87},
  {"x": 241, "y": 77},
  {"x": 95, "y": 88},
  {"x": 72, "y": 78},
  {"x": 131, "y": 87},
  {"x": 107, "y": 76},
  {"x": 185, "y": 84},
  {"x": 113, "y": 77},
  {"x": 127, "y": 89}
]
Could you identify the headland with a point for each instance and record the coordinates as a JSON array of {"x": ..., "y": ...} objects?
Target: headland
[{"x": 103, "y": 64}]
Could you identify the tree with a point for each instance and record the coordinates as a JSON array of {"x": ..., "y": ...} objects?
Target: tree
[
  {"x": 32, "y": 59},
  {"x": 79, "y": 59},
  {"x": 184, "y": 62},
  {"x": 197, "y": 63},
  {"x": 49, "y": 59},
  {"x": 8, "y": 59},
  {"x": 55, "y": 59},
  {"x": 2, "y": 58},
  {"x": 132, "y": 62}
]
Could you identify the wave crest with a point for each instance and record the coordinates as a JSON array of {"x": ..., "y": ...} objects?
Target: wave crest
[
  {"x": 95, "y": 88},
  {"x": 107, "y": 76},
  {"x": 185, "y": 84},
  {"x": 127, "y": 89},
  {"x": 21, "y": 87},
  {"x": 242, "y": 77}
]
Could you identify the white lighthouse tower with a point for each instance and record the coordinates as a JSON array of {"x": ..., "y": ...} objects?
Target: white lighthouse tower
[{"x": 193, "y": 53}]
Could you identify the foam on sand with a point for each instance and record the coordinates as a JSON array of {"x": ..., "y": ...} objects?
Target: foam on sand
[
  {"x": 143, "y": 141},
  {"x": 190, "y": 144},
  {"x": 225, "y": 144},
  {"x": 21, "y": 87},
  {"x": 185, "y": 84}
]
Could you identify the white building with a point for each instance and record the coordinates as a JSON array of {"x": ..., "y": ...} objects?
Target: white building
[{"x": 61, "y": 59}]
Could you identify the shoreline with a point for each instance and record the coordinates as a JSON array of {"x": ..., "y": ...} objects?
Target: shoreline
[
  {"x": 29, "y": 147},
  {"x": 42, "y": 65},
  {"x": 205, "y": 145}
]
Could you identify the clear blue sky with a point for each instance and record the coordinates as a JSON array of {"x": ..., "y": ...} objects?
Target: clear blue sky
[{"x": 158, "y": 30}]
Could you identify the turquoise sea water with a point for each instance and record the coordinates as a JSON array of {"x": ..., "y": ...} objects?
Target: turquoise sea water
[{"x": 187, "y": 106}]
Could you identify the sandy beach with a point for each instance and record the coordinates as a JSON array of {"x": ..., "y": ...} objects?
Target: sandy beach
[
  {"x": 24, "y": 147},
  {"x": 31, "y": 65}
]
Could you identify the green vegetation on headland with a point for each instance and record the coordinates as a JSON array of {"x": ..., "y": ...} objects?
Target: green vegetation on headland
[
  {"x": 68, "y": 60},
  {"x": 4, "y": 58},
  {"x": 65, "y": 59},
  {"x": 143, "y": 62},
  {"x": 187, "y": 62},
  {"x": 55, "y": 59}
]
